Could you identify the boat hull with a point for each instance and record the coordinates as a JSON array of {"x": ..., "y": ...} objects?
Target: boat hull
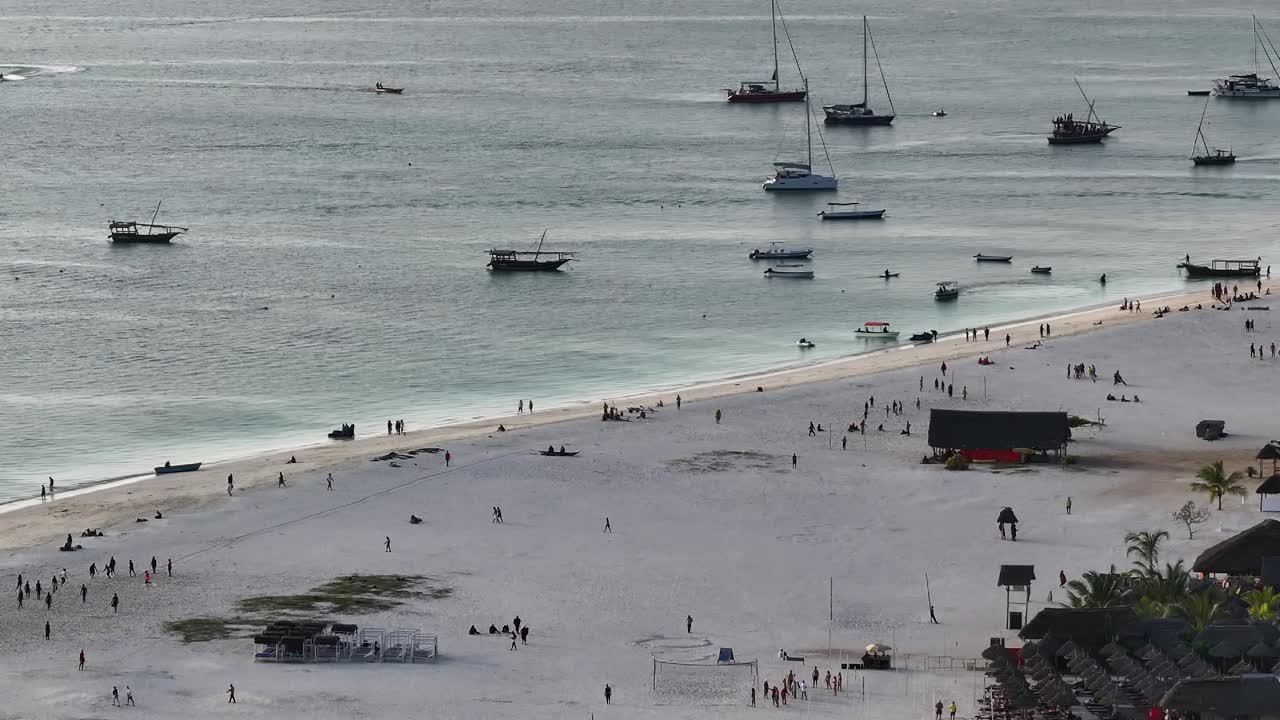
[
  {"x": 766, "y": 97},
  {"x": 858, "y": 120},
  {"x": 1198, "y": 93},
  {"x": 994, "y": 258},
  {"x": 807, "y": 183},
  {"x": 852, "y": 215},
  {"x": 153, "y": 238},
  {"x": 389, "y": 91},
  {"x": 1206, "y": 271},
  {"x": 1077, "y": 139},
  {"x": 170, "y": 469},
  {"x": 891, "y": 335},
  {"x": 788, "y": 255},
  {"x": 789, "y": 274},
  {"x": 943, "y": 297},
  {"x": 1041, "y": 270},
  {"x": 1248, "y": 94},
  {"x": 1215, "y": 160},
  {"x": 527, "y": 265}
]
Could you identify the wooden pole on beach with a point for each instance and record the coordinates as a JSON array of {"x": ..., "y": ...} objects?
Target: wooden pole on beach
[
  {"x": 831, "y": 611},
  {"x": 928, "y": 595}
]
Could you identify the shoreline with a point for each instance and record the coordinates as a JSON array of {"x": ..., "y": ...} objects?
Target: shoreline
[{"x": 176, "y": 492}]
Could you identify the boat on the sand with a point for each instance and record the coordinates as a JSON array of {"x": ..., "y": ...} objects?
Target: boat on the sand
[
  {"x": 169, "y": 468},
  {"x": 1223, "y": 268},
  {"x": 923, "y": 337}
]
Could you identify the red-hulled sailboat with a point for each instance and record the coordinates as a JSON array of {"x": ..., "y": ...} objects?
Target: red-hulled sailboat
[{"x": 768, "y": 91}]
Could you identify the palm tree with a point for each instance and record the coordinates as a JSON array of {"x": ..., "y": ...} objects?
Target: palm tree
[
  {"x": 1146, "y": 546},
  {"x": 1098, "y": 590},
  {"x": 1264, "y": 604},
  {"x": 1201, "y": 610},
  {"x": 1168, "y": 587},
  {"x": 1150, "y": 609},
  {"x": 1215, "y": 481}
]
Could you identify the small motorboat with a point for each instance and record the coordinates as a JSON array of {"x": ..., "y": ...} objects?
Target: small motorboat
[
  {"x": 831, "y": 213},
  {"x": 924, "y": 337},
  {"x": 347, "y": 432},
  {"x": 993, "y": 258},
  {"x": 1197, "y": 93},
  {"x": 169, "y": 468},
  {"x": 777, "y": 251},
  {"x": 789, "y": 274},
  {"x": 876, "y": 330},
  {"x": 939, "y": 113},
  {"x": 947, "y": 290},
  {"x": 805, "y": 344},
  {"x": 558, "y": 453},
  {"x": 1037, "y": 270},
  {"x": 380, "y": 88}
]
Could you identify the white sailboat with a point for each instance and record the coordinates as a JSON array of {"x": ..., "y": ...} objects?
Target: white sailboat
[
  {"x": 1252, "y": 86},
  {"x": 799, "y": 176}
]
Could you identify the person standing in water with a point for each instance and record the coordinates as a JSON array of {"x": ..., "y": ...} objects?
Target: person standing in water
[{"x": 388, "y": 544}]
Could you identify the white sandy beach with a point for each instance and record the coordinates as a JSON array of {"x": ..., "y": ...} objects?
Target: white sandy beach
[{"x": 708, "y": 520}]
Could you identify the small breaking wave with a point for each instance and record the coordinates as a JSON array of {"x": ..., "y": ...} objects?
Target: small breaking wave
[{"x": 27, "y": 71}]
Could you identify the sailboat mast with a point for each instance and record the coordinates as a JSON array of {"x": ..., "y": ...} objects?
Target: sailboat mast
[
  {"x": 1092, "y": 115},
  {"x": 538, "y": 252},
  {"x": 773, "y": 20},
  {"x": 864, "y": 61},
  {"x": 1255, "y": 44},
  {"x": 808, "y": 126},
  {"x": 1200, "y": 130},
  {"x": 156, "y": 214}
]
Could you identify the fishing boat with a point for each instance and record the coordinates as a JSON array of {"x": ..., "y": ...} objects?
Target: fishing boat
[
  {"x": 861, "y": 113},
  {"x": 135, "y": 232},
  {"x": 1210, "y": 157},
  {"x": 947, "y": 290},
  {"x": 804, "y": 344},
  {"x": 887, "y": 275},
  {"x": 1038, "y": 270},
  {"x": 1197, "y": 93},
  {"x": 523, "y": 261},
  {"x": 797, "y": 176},
  {"x": 380, "y": 88},
  {"x": 789, "y": 274},
  {"x": 923, "y": 337},
  {"x": 1251, "y": 86},
  {"x": 876, "y": 330},
  {"x": 1069, "y": 131},
  {"x": 169, "y": 468},
  {"x": 777, "y": 251},
  {"x": 1224, "y": 268},
  {"x": 993, "y": 258},
  {"x": 769, "y": 91},
  {"x": 831, "y": 213}
]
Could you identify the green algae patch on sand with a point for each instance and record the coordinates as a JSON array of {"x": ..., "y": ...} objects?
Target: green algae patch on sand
[
  {"x": 203, "y": 629},
  {"x": 351, "y": 594}
]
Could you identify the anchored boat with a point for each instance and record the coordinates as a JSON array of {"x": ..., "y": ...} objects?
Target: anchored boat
[
  {"x": 831, "y": 213},
  {"x": 769, "y": 91},
  {"x": 876, "y": 330},
  {"x": 1252, "y": 86},
  {"x": 947, "y": 290},
  {"x": 861, "y": 113},
  {"x": 993, "y": 258},
  {"x": 135, "y": 232},
  {"x": 1069, "y": 131},
  {"x": 777, "y": 251},
  {"x": 797, "y": 176},
  {"x": 520, "y": 261},
  {"x": 1224, "y": 268},
  {"x": 789, "y": 274},
  {"x": 1210, "y": 157}
]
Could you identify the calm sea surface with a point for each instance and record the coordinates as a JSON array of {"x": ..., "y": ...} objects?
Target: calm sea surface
[{"x": 334, "y": 271}]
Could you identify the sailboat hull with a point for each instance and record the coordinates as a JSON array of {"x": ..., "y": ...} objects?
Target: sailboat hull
[
  {"x": 767, "y": 97},
  {"x": 839, "y": 118},
  {"x": 809, "y": 183},
  {"x": 1214, "y": 160}
]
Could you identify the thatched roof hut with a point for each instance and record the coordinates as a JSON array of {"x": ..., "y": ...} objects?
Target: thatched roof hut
[
  {"x": 1242, "y": 554},
  {"x": 1256, "y": 697},
  {"x": 1090, "y": 628},
  {"x": 1270, "y": 451},
  {"x": 1270, "y": 486}
]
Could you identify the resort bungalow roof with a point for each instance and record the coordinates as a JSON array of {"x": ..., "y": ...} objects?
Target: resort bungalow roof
[
  {"x": 981, "y": 430},
  {"x": 1242, "y": 553},
  {"x": 1090, "y": 628},
  {"x": 1255, "y": 697}
]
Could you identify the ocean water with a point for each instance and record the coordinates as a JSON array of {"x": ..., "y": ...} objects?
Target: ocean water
[{"x": 334, "y": 271}]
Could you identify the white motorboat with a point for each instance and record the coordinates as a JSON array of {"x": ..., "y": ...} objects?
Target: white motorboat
[
  {"x": 776, "y": 251},
  {"x": 804, "y": 344},
  {"x": 876, "y": 330},
  {"x": 789, "y": 274},
  {"x": 948, "y": 290},
  {"x": 832, "y": 213},
  {"x": 799, "y": 176},
  {"x": 939, "y": 113}
]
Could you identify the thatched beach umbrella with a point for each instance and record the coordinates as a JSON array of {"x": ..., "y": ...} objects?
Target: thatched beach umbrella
[
  {"x": 1262, "y": 650},
  {"x": 1006, "y": 516},
  {"x": 1225, "y": 651}
]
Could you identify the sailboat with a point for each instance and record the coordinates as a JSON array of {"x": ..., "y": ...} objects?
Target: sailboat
[
  {"x": 1069, "y": 131},
  {"x": 520, "y": 261},
  {"x": 1214, "y": 157},
  {"x": 768, "y": 91},
  {"x": 800, "y": 176},
  {"x": 861, "y": 113},
  {"x": 1251, "y": 86},
  {"x": 122, "y": 231}
]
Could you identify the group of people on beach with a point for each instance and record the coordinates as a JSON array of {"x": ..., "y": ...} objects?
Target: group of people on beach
[
  {"x": 972, "y": 334},
  {"x": 395, "y": 427},
  {"x": 520, "y": 407},
  {"x": 797, "y": 688}
]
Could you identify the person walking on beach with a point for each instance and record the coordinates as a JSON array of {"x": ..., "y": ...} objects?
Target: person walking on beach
[
  {"x": 1068, "y": 504},
  {"x": 448, "y": 458},
  {"x": 1062, "y": 578},
  {"x": 48, "y": 601},
  {"x": 933, "y": 618},
  {"x": 231, "y": 694},
  {"x": 42, "y": 497},
  {"x": 520, "y": 408},
  {"x": 388, "y": 428},
  {"x": 677, "y": 402},
  {"x": 793, "y": 461},
  {"x": 132, "y": 572},
  {"x": 280, "y": 481},
  {"x": 46, "y": 629},
  {"x": 328, "y": 482},
  {"x": 231, "y": 484},
  {"x": 844, "y": 442},
  {"x": 115, "y": 696},
  {"x": 128, "y": 696},
  {"x": 953, "y": 710},
  {"x": 944, "y": 368},
  {"x": 607, "y": 527},
  {"x": 608, "y": 694},
  {"x": 1007, "y": 339},
  {"x": 530, "y": 407},
  {"x": 811, "y": 432},
  {"x": 115, "y": 602},
  {"x": 387, "y": 544},
  {"x": 81, "y": 666},
  {"x": 717, "y": 416},
  {"x": 688, "y": 624},
  {"x": 937, "y": 710},
  {"x": 84, "y": 593},
  {"x": 170, "y": 567},
  {"x": 753, "y": 696}
]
